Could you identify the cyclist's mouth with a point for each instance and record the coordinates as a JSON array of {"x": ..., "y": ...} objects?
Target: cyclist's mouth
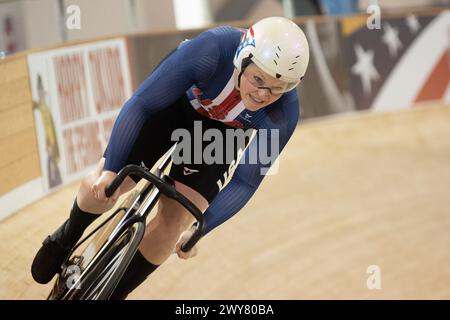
[{"x": 255, "y": 100}]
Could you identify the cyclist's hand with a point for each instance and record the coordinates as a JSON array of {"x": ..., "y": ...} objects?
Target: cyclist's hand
[
  {"x": 183, "y": 238},
  {"x": 98, "y": 188}
]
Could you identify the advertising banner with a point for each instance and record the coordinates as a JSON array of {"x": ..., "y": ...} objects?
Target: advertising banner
[{"x": 77, "y": 93}]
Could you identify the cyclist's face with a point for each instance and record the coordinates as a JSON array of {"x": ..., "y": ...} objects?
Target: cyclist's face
[{"x": 258, "y": 89}]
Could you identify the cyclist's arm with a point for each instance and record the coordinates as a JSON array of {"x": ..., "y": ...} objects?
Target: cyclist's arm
[
  {"x": 193, "y": 62},
  {"x": 247, "y": 176}
]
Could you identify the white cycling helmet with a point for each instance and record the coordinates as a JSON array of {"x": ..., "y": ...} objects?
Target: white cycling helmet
[{"x": 277, "y": 46}]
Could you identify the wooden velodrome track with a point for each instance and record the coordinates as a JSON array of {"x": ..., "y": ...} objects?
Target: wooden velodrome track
[{"x": 352, "y": 191}]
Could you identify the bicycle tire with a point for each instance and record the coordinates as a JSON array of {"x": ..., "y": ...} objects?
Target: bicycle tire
[{"x": 103, "y": 278}]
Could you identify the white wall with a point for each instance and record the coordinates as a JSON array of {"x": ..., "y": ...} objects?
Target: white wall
[
  {"x": 13, "y": 12},
  {"x": 109, "y": 17},
  {"x": 400, "y": 4},
  {"x": 266, "y": 8},
  {"x": 154, "y": 15},
  {"x": 192, "y": 14},
  {"x": 251, "y": 10},
  {"x": 100, "y": 18},
  {"x": 37, "y": 23},
  {"x": 41, "y": 19}
]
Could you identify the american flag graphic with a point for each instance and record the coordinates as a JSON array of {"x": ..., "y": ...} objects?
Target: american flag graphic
[{"x": 404, "y": 62}]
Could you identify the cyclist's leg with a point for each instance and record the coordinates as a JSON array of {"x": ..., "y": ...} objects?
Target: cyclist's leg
[
  {"x": 85, "y": 209},
  {"x": 161, "y": 235},
  {"x": 163, "y": 231},
  {"x": 171, "y": 219}
]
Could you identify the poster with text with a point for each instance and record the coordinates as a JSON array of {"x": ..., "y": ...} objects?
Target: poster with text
[{"x": 77, "y": 94}]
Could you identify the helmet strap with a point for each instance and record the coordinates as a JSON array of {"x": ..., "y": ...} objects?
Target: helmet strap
[{"x": 245, "y": 63}]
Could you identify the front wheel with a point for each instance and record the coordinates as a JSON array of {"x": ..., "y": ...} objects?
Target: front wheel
[{"x": 99, "y": 281}]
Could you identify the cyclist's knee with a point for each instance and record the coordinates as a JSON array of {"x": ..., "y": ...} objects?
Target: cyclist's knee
[
  {"x": 90, "y": 178},
  {"x": 86, "y": 199},
  {"x": 174, "y": 217},
  {"x": 88, "y": 181}
]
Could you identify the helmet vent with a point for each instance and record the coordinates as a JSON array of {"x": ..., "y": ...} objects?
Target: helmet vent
[{"x": 275, "y": 62}]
